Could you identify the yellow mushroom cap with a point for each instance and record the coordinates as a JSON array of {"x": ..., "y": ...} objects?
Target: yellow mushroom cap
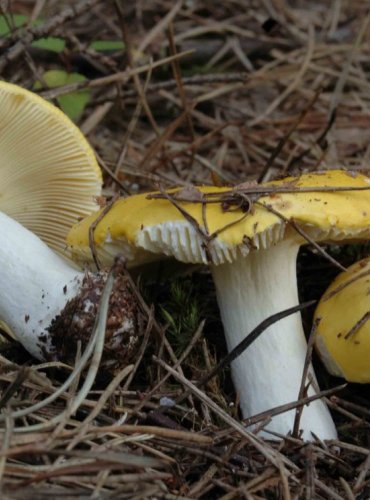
[
  {"x": 140, "y": 227},
  {"x": 343, "y": 334},
  {"x": 49, "y": 176}
]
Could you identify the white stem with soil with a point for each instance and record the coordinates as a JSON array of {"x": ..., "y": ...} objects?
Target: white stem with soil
[
  {"x": 35, "y": 286},
  {"x": 269, "y": 372}
]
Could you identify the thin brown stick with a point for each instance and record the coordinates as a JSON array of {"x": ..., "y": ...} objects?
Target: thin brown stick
[
  {"x": 22, "y": 375},
  {"x": 270, "y": 454},
  {"x": 264, "y": 174},
  {"x": 119, "y": 77},
  {"x": 303, "y": 233},
  {"x": 291, "y": 406},
  {"x": 342, "y": 286},
  {"x": 364, "y": 469},
  {"x": 306, "y": 367},
  {"x": 158, "y": 431},
  {"x": 359, "y": 324},
  {"x": 217, "y": 197},
  {"x": 179, "y": 83},
  {"x": 135, "y": 76},
  {"x": 245, "y": 343},
  {"x": 42, "y": 31},
  {"x": 183, "y": 356},
  {"x": 94, "y": 225}
]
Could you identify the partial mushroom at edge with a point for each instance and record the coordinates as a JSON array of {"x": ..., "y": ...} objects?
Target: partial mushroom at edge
[{"x": 343, "y": 333}]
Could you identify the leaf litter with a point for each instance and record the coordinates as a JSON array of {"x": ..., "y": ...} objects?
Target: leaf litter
[{"x": 206, "y": 93}]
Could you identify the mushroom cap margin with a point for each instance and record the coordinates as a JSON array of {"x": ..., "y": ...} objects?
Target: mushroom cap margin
[{"x": 141, "y": 228}]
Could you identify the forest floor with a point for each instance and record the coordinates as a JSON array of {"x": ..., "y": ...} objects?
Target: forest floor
[{"x": 172, "y": 93}]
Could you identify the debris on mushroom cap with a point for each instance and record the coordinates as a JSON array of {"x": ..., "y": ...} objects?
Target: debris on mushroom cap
[
  {"x": 49, "y": 174},
  {"x": 207, "y": 232},
  {"x": 343, "y": 334}
]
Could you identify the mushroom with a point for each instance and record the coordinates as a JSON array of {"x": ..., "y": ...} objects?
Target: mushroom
[
  {"x": 252, "y": 257},
  {"x": 49, "y": 174},
  {"x": 42, "y": 294},
  {"x": 49, "y": 179},
  {"x": 343, "y": 332}
]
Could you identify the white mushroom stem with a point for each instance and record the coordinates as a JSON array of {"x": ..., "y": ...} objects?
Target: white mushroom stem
[
  {"x": 269, "y": 373},
  {"x": 35, "y": 284}
]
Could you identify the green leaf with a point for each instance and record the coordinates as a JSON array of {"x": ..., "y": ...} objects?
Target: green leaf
[
  {"x": 74, "y": 103},
  {"x": 15, "y": 20},
  {"x": 107, "y": 45},
  {"x": 51, "y": 43}
]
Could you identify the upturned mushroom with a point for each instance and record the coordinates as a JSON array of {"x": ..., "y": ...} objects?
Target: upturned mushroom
[
  {"x": 343, "y": 332},
  {"x": 49, "y": 176},
  {"x": 49, "y": 179},
  {"x": 252, "y": 257}
]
